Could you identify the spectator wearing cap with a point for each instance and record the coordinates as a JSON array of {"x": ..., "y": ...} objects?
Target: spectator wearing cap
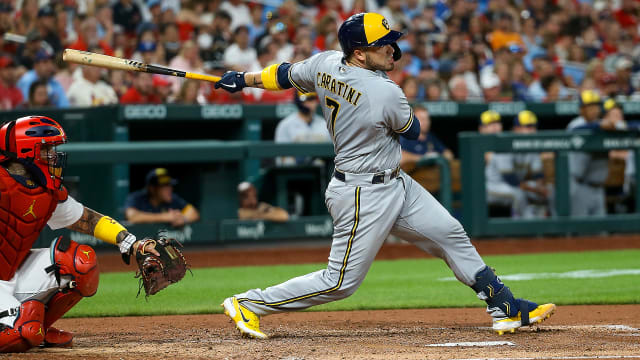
[
  {"x": 46, "y": 26},
  {"x": 90, "y": 89},
  {"x": 127, "y": 14},
  {"x": 141, "y": 91},
  {"x": 302, "y": 126},
  {"x": 608, "y": 85},
  {"x": 588, "y": 170},
  {"x": 278, "y": 35},
  {"x": 491, "y": 87},
  {"x": 517, "y": 179},
  {"x": 26, "y": 53},
  {"x": 161, "y": 87},
  {"x": 249, "y": 208},
  {"x": 489, "y": 122},
  {"x": 213, "y": 43},
  {"x": 239, "y": 56},
  {"x": 157, "y": 202},
  {"x": 146, "y": 51},
  {"x": 426, "y": 144},
  {"x": 88, "y": 37},
  {"x": 623, "y": 76},
  {"x": 10, "y": 95},
  {"x": 44, "y": 69}
]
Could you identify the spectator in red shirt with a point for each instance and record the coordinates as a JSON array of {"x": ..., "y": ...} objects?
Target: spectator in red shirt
[
  {"x": 141, "y": 92},
  {"x": 88, "y": 37},
  {"x": 10, "y": 94},
  {"x": 627, "y": 15}
]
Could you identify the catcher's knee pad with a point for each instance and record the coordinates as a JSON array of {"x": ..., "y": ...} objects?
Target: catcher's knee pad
[
  {"x": 80, "y": 262},
  {"x": 27, "y": 330},
  {"x": 59, "y": 304}
]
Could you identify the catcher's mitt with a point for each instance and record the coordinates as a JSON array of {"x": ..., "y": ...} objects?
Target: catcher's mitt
[{"x": 156, "y": 273}]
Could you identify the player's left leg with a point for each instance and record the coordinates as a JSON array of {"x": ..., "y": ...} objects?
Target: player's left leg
[
  {"x": 362, "y": 218},
  {"x": 59, "y": 277},
  {"x": 428, "y": 225}
]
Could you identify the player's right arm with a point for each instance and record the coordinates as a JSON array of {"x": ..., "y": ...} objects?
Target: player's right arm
[{"x": 274, "y": 77}]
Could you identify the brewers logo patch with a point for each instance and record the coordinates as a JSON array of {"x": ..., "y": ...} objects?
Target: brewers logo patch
[{"x": 385, "y": 23}]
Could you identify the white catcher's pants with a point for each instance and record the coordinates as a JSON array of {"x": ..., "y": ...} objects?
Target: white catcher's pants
[
  {"x": 363, "y": 216},
  {"x": 29, "y": 282}
]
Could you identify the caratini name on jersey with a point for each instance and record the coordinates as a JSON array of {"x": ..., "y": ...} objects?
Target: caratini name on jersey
[{"x": 339, "y": 88}]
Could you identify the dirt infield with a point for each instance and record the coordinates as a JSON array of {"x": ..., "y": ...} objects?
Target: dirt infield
[{"x": 575, "y": 332}]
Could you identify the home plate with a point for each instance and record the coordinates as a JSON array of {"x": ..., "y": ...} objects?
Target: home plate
[{"x": 475, "y": 343}]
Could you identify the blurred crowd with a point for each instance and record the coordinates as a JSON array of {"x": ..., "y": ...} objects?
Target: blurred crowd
[{"x": 458, "y": 50}]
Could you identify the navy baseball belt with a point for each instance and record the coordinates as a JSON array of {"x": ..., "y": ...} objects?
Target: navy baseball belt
[{"x": 381, "y": 177}]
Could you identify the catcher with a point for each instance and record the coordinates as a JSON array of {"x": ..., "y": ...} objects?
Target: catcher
[{"x": 38, "y": 286}]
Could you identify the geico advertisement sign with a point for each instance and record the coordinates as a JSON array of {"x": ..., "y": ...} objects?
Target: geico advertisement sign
[
  {"x": 221, "y": 111},
  {"x": 160, "y": 112},
  {"x": 145, "y": 112}
]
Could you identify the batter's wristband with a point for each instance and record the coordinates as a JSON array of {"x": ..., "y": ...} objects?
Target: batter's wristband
[
  {"x": 107, "y": 230},
  {"x": 269, "y": 77},
  {"x": 127, "y": 243}
]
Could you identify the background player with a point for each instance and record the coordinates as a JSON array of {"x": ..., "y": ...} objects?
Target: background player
[
  {"x": 38, "y": 286},
  {"x": 588, "y": 170},
  {"x": 368, "y": 196},
  {"x": 517, "y": 179}
]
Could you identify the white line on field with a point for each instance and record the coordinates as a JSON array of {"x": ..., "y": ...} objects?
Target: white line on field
[
  {"x": 562, "y": 357},
  {"x": 577, "y": 274},
  {"x": 617, "y": 328},
  {"x": 475, "y": 343}
]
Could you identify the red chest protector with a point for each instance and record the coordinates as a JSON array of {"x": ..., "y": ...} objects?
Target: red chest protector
[{"x": 23, "y": 214}]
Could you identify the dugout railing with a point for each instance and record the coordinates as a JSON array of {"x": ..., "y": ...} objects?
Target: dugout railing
[{"x": 476, "y": 218}]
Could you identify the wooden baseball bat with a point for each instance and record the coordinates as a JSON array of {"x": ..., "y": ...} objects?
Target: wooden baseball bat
[{"x": 111, "y": 62}]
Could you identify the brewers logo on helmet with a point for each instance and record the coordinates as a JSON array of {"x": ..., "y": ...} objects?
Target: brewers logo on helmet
[{"x": 368, "y": 30}]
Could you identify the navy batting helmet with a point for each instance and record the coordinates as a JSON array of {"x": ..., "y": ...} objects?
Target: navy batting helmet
[{"x": 367, "y": 30}]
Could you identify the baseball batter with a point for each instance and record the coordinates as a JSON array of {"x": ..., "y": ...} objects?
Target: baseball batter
[{"x": 368, "y": 196}]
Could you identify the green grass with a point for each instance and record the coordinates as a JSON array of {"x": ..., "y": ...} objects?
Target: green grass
[{"x": 389, "y": 285}]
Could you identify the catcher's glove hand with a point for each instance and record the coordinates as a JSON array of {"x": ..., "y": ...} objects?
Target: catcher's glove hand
[{"x": 158, "y": 272}]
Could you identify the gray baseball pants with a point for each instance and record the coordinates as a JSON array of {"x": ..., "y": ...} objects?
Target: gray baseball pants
[{"x": 364, "y": 214}]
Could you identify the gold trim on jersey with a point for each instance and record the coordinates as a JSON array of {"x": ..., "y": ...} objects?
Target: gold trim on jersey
[
  {"x": 298, "y": 87},
  {"x": 408, "y": 124},
  {"x": 342, "y": 269},
  {"x": 342, "y": 89}
]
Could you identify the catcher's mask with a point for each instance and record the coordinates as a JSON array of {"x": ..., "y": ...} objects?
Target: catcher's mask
[{"x": 32, "y": 141}]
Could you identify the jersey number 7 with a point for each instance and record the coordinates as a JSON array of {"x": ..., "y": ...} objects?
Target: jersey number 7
[{"x": 335, "y": 108}]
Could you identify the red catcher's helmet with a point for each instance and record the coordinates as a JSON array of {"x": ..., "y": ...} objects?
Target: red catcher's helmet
[{"x": 22, "y": 140}]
